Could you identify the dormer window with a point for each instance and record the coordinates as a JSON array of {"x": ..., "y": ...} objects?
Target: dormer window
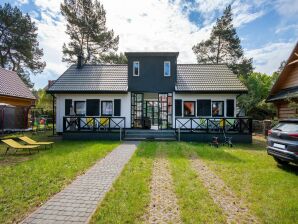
[
  {"x": 167, "y": 69},
  {"x": 136, "y": 68}
]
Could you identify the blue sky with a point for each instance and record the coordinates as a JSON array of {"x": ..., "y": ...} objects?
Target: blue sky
[{"x": 268, "y": 29}]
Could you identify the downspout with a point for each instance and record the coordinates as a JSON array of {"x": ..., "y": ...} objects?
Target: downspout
[{"x": 53, "y": 116}]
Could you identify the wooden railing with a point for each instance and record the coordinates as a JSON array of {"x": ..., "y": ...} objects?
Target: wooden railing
[
  {"x": 231, "y": 125},
  {"x": 92, "y": 123}
]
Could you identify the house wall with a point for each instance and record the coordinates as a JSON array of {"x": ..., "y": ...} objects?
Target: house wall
[
  {"x": 212, "y": 97},
  {"x": 151, "y": 78},
  {"x": 284, "y": 111},
  {"x": 60, "y": 105}
]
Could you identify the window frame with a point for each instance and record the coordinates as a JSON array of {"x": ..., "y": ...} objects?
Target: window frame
[
  {"x": 164, "y": 70},
  {"x": 101, "y": 106},
  {"x": 189, "y": 101},
  {"x": 223, "y": 108},
  {"x": 133, "y": 68}
]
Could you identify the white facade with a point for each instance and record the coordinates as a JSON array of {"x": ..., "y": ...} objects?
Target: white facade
[
  {"x": 126, "y": 103},
  {"x": 212, "y": 97},
  {"x": 60, "y": 105}
]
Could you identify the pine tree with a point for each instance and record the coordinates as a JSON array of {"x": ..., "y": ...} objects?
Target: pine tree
[
  {"x": 86, "y": 27},
  {"x": 223, "y": 46},
  {"x": 19, "y": 47}
]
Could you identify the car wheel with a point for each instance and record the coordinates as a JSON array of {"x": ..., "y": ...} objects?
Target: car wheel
[{"x": 281, "y": 162}]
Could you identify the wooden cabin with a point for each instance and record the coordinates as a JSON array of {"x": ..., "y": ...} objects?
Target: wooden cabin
[
  {"x": 16, "y": 99},
  {"x": 284, "y": 93}
]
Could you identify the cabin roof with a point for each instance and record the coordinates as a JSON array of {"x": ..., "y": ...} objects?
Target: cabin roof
[
  {"x": 278, "y": 92},
  {"x": 11, "y": 85}
]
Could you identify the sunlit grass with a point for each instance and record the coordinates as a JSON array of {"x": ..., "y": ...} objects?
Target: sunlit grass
[
  {"x": 27, "y": 183},
  {"x": 129, "y": 197}
]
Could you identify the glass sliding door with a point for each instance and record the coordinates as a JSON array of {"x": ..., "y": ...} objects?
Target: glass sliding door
[
  {"x": 137, "y": 101},
  {"x": 165, "y": 110},
  {"x": 151, "y": 112}
]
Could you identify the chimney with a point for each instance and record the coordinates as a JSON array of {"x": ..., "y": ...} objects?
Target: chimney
[{"x": 80, "y": 61}]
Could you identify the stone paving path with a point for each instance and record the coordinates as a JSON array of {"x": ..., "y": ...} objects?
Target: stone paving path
[
  {"x": 235, "y": 210},
  {"x": 163, "y": 207},
  {"x": 78, "y": 201}
]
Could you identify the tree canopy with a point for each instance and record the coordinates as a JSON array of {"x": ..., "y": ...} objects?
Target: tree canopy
[
  {"x": 259, "y": 86},
  {"x": 86, "y": 27},
  {"x": 19, "y": 47},
  {"x": 224, "y": 46}
]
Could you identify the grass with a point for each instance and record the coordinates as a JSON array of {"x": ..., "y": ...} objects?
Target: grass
[
  {"x": 269, "y": 190},
  {"x": 30, "y": 181},
  {"x": 196, "y": 206},
  {"x": 129, "y": 197}
]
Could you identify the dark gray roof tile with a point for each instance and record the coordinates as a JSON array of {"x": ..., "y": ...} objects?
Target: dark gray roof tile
[
  {"x": 92, "y": 78},
  {"x": 207, "y": 77}
]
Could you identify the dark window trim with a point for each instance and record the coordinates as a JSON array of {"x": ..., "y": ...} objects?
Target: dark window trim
[
  {"x": 189, "y": 101},
  {"x": 106, "y": 101},
  {"x": 223, "y": 108},
  {"x": 114, "y": 106},
  {"x": 164, "y": 71},
  {"x": 133, "y": 68},
  {"x": 67, "y": 113}
]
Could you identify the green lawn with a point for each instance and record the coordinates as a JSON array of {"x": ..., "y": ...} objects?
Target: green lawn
[
  {"x": 196, "y": 206},
  {"x": 129, "y": 197},
  {"x": 269, "y": 190},
  {"x": 28, "y": 180}
]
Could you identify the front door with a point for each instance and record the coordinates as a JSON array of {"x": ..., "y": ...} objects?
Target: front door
[{"x": 151, "y": 112}]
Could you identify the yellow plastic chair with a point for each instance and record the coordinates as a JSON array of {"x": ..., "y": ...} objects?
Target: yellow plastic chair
[
  {"x": 104, "y": 122},
  {"x": 33, "y": 142},
  {"x": 15, "y": 145}
]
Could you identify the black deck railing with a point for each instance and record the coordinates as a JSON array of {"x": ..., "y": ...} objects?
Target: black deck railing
[
  {"x": 92, "y": 123},
  {"x": 231, "y": 125}
]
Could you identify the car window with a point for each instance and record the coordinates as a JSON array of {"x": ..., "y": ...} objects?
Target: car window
[{"x": 287, "y": 127}]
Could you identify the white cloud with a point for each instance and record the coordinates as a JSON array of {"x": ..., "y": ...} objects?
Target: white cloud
[
  {"x": 22, "y": 2},
  {"x": 156, "y": 25},
  {"x": 287, "y": 8},
  {"x": 268, "y": 58}
]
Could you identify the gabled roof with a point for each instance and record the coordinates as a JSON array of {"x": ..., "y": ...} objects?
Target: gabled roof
[
  {"x": 207, "y": 78},
  {"x": 114, "y": 78},
  {"x": 276, "y": 92},
  {"x": 92, "y": 78},
  {"x": 11, "y": 85}
]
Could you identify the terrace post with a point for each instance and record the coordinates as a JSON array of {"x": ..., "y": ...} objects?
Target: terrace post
[
  {"x": 64, "y": 124},
  {"x": 79, "y": 123},
  {"x": 207, "y": 125}
]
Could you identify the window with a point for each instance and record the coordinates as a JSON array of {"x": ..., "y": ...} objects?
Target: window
[
  {"x": 217, "y": 108},
  {"x": 167, "y": 69},
  {"x": 80, "y": 108},
  {"x": 189, "y": 108},
  {"x": 136, "y": 68},
  {"x": 106, "y": 108}
]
